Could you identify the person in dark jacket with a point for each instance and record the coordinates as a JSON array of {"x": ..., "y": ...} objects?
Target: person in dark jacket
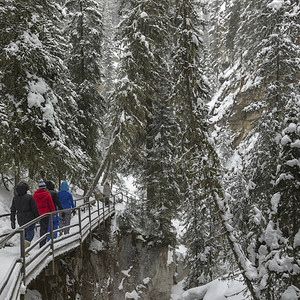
[
  {"x": 50, "y": 187},
  {"x": 24, "y": 206},
  {"x": 44, "y": 205},
  {"x": 106, "y": 192},
  {"x": 66, "y": 201}
]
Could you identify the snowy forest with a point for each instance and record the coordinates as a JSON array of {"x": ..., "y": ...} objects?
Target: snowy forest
[{"x": 197, "y": 100}]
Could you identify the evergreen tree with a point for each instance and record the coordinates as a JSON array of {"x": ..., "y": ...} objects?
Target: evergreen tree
[
  {"x": 142, "y": 68},
  {"x": 110, "y": 21},
  {"x": 144, "y": 123},
  {"x": 35, "y": 106},
  {"x": 189, "y": 95},
  {"x": 159, "y": 174},
  {"x": 283, "y": 274},
  {"x": 287, "y": 184},
  {"x": 216, "y": 40},
  {"x": 85, "y": 34},
  {"x": 268, "y": 33}
]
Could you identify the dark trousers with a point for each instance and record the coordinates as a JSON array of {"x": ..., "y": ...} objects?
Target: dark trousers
[
  {"x": 55, "y": 223},
  {"x": 44, "y": 228},
  {"x": 65, "y": 220},
  {"x": 29, "y": 232}
]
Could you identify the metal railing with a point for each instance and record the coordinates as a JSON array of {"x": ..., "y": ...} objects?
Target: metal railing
[{"x": 32, "y": 260}]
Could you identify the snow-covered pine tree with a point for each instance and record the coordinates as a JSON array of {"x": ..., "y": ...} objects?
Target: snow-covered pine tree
[
  {"x": 110, "y": 21},
  {"x": 287, "y": 199},
  {"x": 268, "y": 46},
  {"x": 159, "y": 172},
  {"x": 31, "y": 72},
  {"x": 131, "y": 101},
  {"x": 199, "y": 163},
  {"x": 216, "y": 29},
  {"x": 143, "y": 121},
  {"x": 142, "y": 68},
  {"x": 85, "y": 35},
  {"x": 279, "y": 68}
]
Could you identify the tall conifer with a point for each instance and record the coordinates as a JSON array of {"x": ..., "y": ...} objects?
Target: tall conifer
[
  {"x": 34, "y": 103},
  {"x": 85, "y": 35}
]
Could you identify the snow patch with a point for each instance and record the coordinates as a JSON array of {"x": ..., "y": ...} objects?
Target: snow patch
[
  {"x": 285, "y": 140},
  {"x": 132, "y": 295},
  {"x": 143, "y": 15},
  {"x": 276, "y": 4},
  {"x": 218, "y": 289},
  {"x": 96, "y": 246},
  {"x": 297, "y": 239},
  {"x": 292, "y": 293},
  {"x": 274, "y": 201},
  {"x": 170, "y": 257},
  {"x": 271, "y": 236},
  {"x": 292, "y": 162},
  {"x": 291, "y": 128},
  {"x": 140, "y": 237},
  {"x": 296, "y": 144},
  {"x": 121, "y": 284},
  {"x": 126, "y": 272},
  {"x": 146, "y": 280}
]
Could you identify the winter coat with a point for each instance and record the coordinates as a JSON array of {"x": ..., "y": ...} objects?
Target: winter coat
[
  {"x": 106, "y": 190},
  {"x": 56, "y": 202},
  {"x": 43, "y": 201},
  {"x": 23, "y": 205},
  {"x": 65, "y": 197}
]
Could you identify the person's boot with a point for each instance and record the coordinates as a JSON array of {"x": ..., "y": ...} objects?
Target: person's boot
[{"x": 27, "y": 244}]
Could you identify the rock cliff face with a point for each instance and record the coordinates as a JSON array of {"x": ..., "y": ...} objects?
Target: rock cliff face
[
  {"x": 242, "y": 121},
  {"x": 122, "y": 268}
]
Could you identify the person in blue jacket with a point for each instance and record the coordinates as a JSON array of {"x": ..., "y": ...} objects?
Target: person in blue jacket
[{"x": 66, "y": 201}]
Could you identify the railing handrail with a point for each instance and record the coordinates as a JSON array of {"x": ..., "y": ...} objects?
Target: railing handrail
[
  {"x": 88, "y": 228},
  {"x": 5, "y": 215},
  {"x": 33, "y": 221}
]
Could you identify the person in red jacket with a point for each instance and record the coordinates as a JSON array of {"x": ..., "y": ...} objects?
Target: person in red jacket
[{"x": 44, "y": 205}]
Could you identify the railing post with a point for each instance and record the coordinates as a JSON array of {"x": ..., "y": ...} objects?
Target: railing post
[
  {"x": 52, "y": 243},
  {"x": 98, "y": 208},
  {"x": 103, "y": 206},
  {"x": 22, "y": 249},
  {"x": 23, "y": 269},
  {"x": 80, "y": 230},
  {"x": 90, "y": 220}
]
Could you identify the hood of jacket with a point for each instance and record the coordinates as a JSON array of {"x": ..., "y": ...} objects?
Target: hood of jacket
[
  {"x": 50, "y": 185},
  {"x": 64, "y": 186},
  {"x": 40, "y": 194},
  {"x": 21, "y": 188}
]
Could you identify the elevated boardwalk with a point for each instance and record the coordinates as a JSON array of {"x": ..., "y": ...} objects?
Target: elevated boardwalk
[{"x": 23, "y": 265}]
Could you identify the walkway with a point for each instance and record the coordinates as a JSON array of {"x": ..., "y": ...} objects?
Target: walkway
[{"x": 21, "y": 265}]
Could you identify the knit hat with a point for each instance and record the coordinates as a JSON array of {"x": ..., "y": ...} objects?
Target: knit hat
[{"x": 42, "y": 184}]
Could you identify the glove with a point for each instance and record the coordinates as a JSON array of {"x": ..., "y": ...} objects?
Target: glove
[
  {"x": 74, "y": 212},
  {"x": 13, "y": 225}
]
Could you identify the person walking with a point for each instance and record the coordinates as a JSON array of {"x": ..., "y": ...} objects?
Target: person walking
[
  {"x": 106, "y": 192},
  {"x": 55, "y": 218},
  {"x": 44, "y": 205},
  {"x": 23, "y": 205},
  {"x": 66, "y": 201}
]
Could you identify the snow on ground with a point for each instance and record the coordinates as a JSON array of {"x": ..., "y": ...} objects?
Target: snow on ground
[
  {"x": 215, "y": 290},
  {"x": 229, "y": 289}
]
